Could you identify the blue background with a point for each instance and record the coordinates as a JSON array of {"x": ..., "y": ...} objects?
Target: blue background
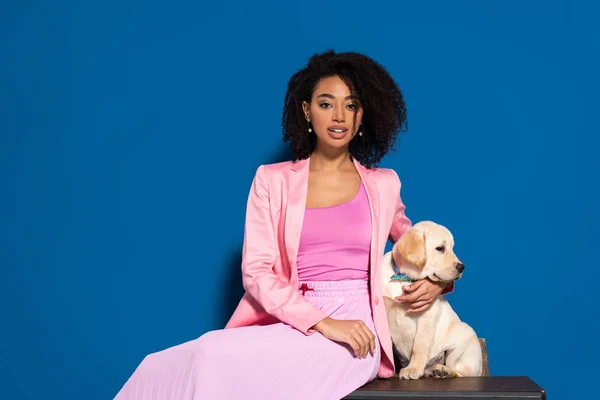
[{"x": 130, "y": 133}]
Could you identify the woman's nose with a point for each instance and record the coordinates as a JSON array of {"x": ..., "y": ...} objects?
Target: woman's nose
[{"x": 338, "y": 114}]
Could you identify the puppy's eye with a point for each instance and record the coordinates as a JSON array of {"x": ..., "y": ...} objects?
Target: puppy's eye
[{"x": 441, "y": 249}]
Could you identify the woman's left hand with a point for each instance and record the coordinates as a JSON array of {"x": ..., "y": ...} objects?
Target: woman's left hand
[{"x": 421, "y": 294}]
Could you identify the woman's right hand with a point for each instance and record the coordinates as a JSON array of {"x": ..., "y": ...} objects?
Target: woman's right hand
[{"x": 353, "y": 332}]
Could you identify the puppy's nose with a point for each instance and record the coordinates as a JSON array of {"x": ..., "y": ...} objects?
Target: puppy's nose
[{"x": 460, "y": 267}]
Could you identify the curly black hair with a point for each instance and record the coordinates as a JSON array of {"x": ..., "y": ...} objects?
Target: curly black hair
[{"x": 384, "y": 111}]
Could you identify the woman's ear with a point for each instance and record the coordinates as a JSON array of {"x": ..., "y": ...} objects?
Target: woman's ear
[
  {"x": 305, "y": 108},
  {"x": 411, "y": 246}
]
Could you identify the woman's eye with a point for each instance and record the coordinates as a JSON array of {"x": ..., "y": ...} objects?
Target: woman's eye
[
  {"x": 353, "y": 107},
  {"x": 324, "y": 105},
  {"x": 441, "y": 249}
]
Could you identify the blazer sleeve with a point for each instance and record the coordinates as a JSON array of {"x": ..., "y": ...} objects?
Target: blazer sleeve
[
  {"x": 401, "y": 224},
  {"x": 279, "y": 298}
]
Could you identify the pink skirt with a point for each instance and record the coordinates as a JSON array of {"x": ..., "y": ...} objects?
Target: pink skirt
[{"x": 264, "y": 362}]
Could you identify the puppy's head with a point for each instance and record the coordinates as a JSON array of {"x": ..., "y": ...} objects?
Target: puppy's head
[{"x": 427, "y": 251}]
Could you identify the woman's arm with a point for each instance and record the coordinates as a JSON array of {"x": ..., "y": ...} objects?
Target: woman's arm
[
  {"x": 400, "y": 225},
  {"x": 280, "y": 299}
]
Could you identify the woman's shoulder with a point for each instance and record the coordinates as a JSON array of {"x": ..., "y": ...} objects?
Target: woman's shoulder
[
  {"x": 273, "y": 174},
  {"x": 385, "y": 175},
  {"x": 278, "y": 167},
  {"x": 273, "y": 170}
]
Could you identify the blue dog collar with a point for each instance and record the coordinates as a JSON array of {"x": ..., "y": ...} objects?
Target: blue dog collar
[{"x": 399, "y": 276}]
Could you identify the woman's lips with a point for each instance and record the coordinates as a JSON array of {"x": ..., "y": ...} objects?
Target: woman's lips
[{"x": 337, "y": 132}]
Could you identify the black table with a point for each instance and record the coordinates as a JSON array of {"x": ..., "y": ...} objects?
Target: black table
[{"x": 488, "y": 387}]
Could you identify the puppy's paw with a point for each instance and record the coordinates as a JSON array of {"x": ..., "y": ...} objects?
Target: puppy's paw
[
  {"x": 411, "y": 373},
  {"x": 441, "y": 371}
]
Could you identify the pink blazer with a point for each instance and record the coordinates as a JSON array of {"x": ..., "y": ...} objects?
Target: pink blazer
[{"x": 274, "y": 217}]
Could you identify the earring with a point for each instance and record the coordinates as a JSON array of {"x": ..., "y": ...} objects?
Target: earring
[
  {"x": 360, "y": 132},
  {"x": 308, "y": 122}
]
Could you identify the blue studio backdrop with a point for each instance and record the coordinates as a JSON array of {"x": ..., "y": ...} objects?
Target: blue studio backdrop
[{"x": 130, "y": 133}]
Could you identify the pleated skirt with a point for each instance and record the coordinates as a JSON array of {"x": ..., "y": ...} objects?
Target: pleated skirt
[{"x": 264, "y": 362}]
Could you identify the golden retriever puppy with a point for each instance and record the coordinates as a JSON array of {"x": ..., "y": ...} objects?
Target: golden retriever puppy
[{"x": 433, "y": 342}]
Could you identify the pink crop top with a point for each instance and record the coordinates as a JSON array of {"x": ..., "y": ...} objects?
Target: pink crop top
[{"x": 335, "y": 241}]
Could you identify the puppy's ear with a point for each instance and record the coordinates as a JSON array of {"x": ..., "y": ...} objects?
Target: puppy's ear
[{"x": 411, "y": 246}]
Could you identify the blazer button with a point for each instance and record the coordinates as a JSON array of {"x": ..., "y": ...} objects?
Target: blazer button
[{"x": 376, "y": 301}]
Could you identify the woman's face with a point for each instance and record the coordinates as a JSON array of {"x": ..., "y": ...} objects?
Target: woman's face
[{"x": 332, "y": 112}]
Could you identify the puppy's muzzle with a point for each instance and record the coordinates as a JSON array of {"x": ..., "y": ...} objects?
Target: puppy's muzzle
[{"x": 460, "y": 267}]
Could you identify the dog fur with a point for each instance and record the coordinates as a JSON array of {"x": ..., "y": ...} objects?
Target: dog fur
[{"x": 434, "y": 342}]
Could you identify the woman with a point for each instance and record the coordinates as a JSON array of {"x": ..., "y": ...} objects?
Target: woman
[{"x": 312, "y": 322}]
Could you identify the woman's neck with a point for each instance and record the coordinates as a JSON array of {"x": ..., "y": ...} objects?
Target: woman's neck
[{"x": 324, "y": 162}]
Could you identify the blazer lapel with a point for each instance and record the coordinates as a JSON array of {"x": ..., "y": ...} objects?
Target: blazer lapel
[
  {"x": 294, "y": 215},
  {"x": 373, "y": 197}
]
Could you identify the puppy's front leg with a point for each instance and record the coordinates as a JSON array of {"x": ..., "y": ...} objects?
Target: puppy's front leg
[{"x": 421, "y": 345}]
